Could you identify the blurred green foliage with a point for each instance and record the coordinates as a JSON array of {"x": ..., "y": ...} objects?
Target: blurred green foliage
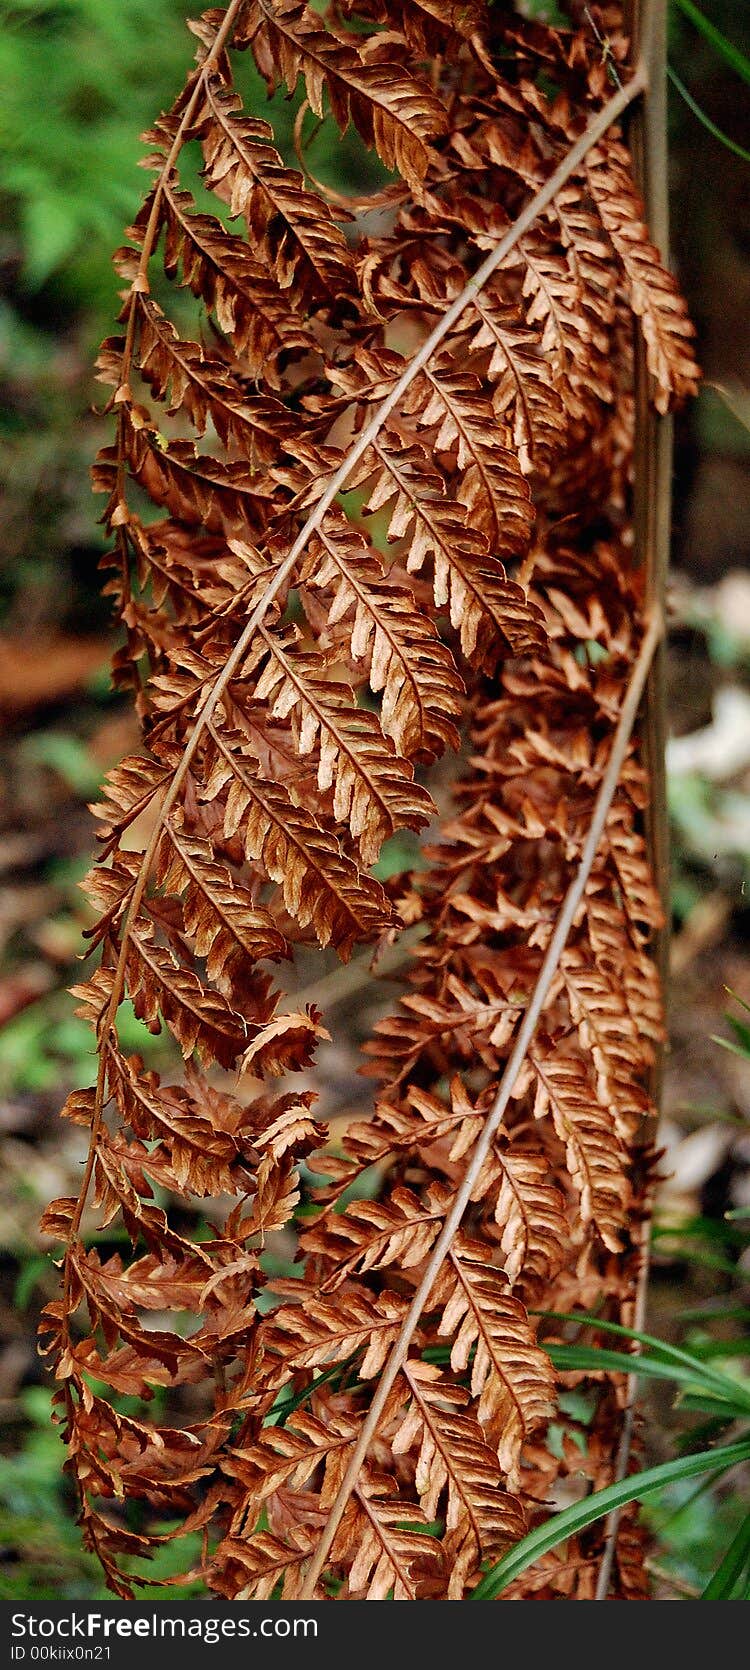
[
  {"x": 40, "y": 1540},
  {"x": 37, "y": 1526},
  {"x": 79, "y": 82},
  {"x": 47, "y": 1046}
]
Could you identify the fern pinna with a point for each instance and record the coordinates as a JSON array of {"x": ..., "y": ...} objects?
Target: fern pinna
[{"x": 458, "y": 347}]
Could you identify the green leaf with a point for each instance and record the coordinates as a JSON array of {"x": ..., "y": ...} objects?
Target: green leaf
[
  {"x": 724, "y": 47},
  {"x": 708, "y": 1348},
  {"x": 659, "y": 1350},
  {"x": 716, "y": 1312},
  {"x": 686, "y": 1252},
  {"x": 726, "y": 1044},
  {"x": 577, "y": 1518},
  {"x": 32, "y": 1271},
  {"x": 595, "y": 1359},
  {"x": 286, "y": 1404},
  {"x": 51, "y": 233},
  {"x": 706, "y": 1404},
  {"x": 716, "y": 132},
  {"x": 733, "y": 1566},
  {"x": 578, "y": 1404},
  {"x": 741, "y": 1032},
  {"x": 702, "y": 1229}
]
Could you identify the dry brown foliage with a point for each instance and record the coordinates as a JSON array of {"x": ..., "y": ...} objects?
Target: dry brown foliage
[{"x": 505, "y": 603}]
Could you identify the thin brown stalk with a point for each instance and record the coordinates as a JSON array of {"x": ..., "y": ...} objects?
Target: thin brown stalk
[
  {"x": 612, "y": 1523},
  {"x": 526, "y": 1032},
  {"x": 652, "y": 516}
]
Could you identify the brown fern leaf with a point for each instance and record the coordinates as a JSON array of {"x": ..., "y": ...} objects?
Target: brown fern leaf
[
  {"x": 187, "y": 379},
  {"x": 609, "y": 1035},
  {"x": 382, "y": 1554},
  {"x": 427, "y": 25},
  {"x": 222, "y": 272},
  {"x": 652, "y": 291},
  {"x": 327, "y": 1331},
  {"x": 261, "y": 1566},
  {"x": 407, "y": 663},
  {"x": 373, "y": 788},
  {"x": 354, "y": 489},
  {"x": 226, "y": 927},
  {"x": 199, "y": 1018},
  {"x": 483, "y": 605},
  {"x": 481, "y": 1519},
  {"x": 390, "y": 109},
  {"x": 293, "y": 232},
  {"x": 523, "y": 391},
  {"x": 191, "y": 486},
  {"x": 530, "y": 1212},
  {"x": 374, "y": 1234},
  {"x": 595, "y": 1158},
  {"x": 511, "y": 1377},
  {"x": 391, "y": 1553},
  {"x": 289, "y": 1455},
  {"x": 491, "y": 484},
  {"x": 127, "y": 792},
  {"x": 320, "y": 886}
]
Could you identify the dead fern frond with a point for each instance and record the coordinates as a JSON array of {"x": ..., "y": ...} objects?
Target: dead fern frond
[{"x": 466, "y": 367}]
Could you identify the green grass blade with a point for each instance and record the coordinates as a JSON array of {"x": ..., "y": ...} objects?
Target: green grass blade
[
  {"x": 700, "y": 1373},
  {"x": 287, "y": 1405},
  {"x": 593, "y": 1359},
  {"x": 707, "y": 1403},
  {"x": 725, "y": 48},
  {"x": 727, "y": 1044},
  {"x": 661, "y": 1525},
  {"x": 582, "y": 1514},
  {"x": 708, "y": 1349},
  {"x": 741, "y": 1032},
  {"x": 733, "y": 1566},
  {"x": 716, "y": 1312},
  {"x": 738, "y": 151},
  {"x": 694, "y": 1255},
  {"x": 596, "y": 1358}
]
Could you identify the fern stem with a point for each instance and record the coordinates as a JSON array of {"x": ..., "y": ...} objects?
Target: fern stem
[
  {"x": 612, "y": 1523},
  {"x": 652, "y": 518},
  {"x": 526, "y": 1032}
]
